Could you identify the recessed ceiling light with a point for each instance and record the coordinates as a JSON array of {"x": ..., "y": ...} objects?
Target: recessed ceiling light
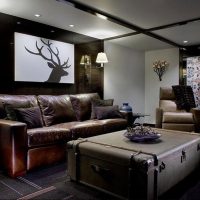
[
  {"x": 52, "y": 31},
  {"x": 18, "y": 22},
  {"x": 71, "y": 25},
  {"x": 37, "y": 15},
  {"x": 185, "y": 41}
]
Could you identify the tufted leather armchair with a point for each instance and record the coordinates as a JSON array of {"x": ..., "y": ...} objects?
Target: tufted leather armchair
[{"x": 169, "y": 117}]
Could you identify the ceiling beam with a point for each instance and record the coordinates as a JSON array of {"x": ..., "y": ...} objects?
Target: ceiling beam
[
  {"x": 121, "y": 36},
  {"x": 119, "y": 21},
  {"x": 180, "y": 23}
]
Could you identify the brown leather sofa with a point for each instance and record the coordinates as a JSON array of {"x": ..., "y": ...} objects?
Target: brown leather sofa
[
  {"x": 169, "y": 117},
  {"x": 23, "y": 149}
]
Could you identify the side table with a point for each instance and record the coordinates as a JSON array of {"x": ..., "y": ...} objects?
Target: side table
[
  {"x": 131, "y": 117},
  {"x": 138, "y": 115},
  {"x": 128, "y": 115}
]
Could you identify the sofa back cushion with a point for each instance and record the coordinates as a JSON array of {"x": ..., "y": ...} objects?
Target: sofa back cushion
[
  {"x": 167, "y": 100},
  {"x": 166, "y": 93},
  {"x": 56, "y": 109},
  {"x": 16, "y": 101},
  {"x": 82, "y": 105}
]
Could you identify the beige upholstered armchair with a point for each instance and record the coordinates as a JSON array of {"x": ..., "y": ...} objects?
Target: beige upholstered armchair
[{"x": 169, "y": 117}]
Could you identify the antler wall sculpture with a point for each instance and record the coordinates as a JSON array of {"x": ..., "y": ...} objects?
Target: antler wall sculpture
[
  {"x": 53, "y": 62},
  {"x": 160, "y": 67}
]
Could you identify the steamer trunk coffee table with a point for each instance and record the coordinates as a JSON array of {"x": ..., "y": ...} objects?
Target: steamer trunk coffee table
[{"x": 129, "y": 170}]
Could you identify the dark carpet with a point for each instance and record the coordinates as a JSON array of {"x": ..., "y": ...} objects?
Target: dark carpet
[
  {"x": 54, "y": 183},
  {"x": 47, "y": 183}
]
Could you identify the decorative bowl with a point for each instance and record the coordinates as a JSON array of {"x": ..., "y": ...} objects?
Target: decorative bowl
[{"x": 141, "y": 134}]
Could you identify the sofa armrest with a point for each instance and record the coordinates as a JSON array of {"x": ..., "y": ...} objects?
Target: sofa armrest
[
  {"x": 159, "y": 116},
  {"x": 13, "y": 147},
  {"x": 196, "y": 116}
]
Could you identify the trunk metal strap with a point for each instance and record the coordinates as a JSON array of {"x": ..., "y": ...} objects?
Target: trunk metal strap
[{"x": 82, "y": 140}]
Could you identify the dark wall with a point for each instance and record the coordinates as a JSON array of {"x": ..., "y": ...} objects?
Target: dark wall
[
  {"x": 90, "y": 77},
  {"x": 83, "y": 45}
]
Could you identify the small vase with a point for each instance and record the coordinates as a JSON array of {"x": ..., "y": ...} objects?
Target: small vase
[{"x": 126, "y": 107}]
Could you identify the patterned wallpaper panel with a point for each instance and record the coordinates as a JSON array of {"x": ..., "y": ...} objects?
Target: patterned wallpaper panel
[{"x": 193, "y": 77}]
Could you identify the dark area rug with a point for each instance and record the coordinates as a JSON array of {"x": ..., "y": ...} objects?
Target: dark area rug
[
  {"x": 47, "y": 183},
  {"x": 54, "y": 183}
]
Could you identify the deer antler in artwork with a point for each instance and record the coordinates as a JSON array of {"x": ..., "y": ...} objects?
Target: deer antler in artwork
[{"x": 56, "y": 66}]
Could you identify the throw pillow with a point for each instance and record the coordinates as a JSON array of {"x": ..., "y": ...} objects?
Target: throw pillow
[
  {"x": 107, "y": 112},
  {"x": 100, "y": 102},
  {"x": 31, "y": 116},
  {"x": 184, "y": 97},
  {"x": 9, "y": 108}
]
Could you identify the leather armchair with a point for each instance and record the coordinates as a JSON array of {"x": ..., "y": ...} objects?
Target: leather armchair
[{"x": 169, "y": 117}]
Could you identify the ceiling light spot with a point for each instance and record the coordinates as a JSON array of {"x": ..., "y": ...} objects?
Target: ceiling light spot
[
  {"x": 18, "y": 22},
  {"x": 71, "y": 25},
  {"x": 52, "y": 31},
  {"x": 37, "y": 15},
  {"x": 101, "y": 34},
  {"x": 185, "y": 41},
  {"x": 101, "y": 16}
]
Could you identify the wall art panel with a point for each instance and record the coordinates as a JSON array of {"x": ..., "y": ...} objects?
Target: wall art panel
[{"x": 43, "y": 60}]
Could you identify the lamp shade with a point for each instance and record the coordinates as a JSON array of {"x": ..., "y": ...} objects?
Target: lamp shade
[
  {"x": 101, "y": 58},
  {"x": 85, "y": 60},
  {"x": 82, "y": 62}
]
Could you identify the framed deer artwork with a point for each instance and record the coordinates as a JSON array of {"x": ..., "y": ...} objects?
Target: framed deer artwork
[{"x": 43, "y": 60}]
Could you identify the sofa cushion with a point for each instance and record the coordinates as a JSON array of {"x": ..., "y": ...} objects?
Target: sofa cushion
[
  {"x": 66, "y": 125},
  {"x": 87, "y": 129},
  {"x": 169, "y": 106},
  {"x": 82, "y": 105},
  {"x": 179, "y": 127},
  {"x": 56, "y": 109},
  {"x": 15, "y": 100},
  {"x": 82, "y": 129},
  {"x": 107, "y": 112},
  {"x": 111, "y": 125},
  {"x": 31, "y": 116},
  {"x": 47, "y": 135},
  {"x": 100, "y": 102},
  {"x": 178, "y": 117}
]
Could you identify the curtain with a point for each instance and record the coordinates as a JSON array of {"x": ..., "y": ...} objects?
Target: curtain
[{"x": 193, "y": 77}]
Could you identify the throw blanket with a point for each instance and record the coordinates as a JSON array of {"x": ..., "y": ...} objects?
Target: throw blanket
[{"x": 184, "y": 97}]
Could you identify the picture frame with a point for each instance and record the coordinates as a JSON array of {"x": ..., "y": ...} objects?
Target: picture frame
[{"x": 43, "y": 60}]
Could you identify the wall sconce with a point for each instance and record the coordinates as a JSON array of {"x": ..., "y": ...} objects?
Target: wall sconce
[
  {"x": 160, "y": 67},
  {"x": 101, "y": 58},
  {"x": 85, "y": 60}
]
